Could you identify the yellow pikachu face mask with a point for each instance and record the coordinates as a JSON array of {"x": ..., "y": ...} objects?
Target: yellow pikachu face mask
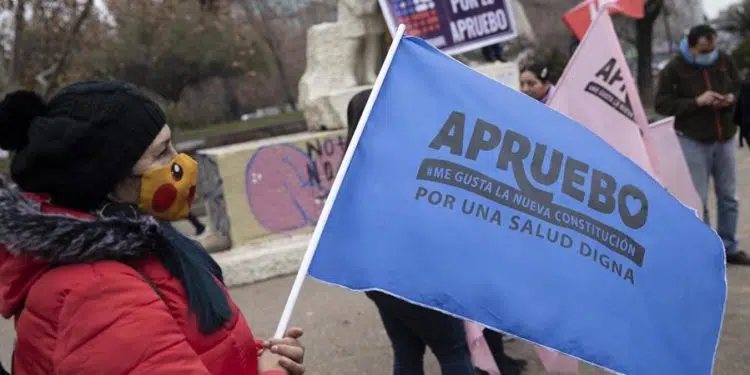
[{"x": 167, "y": 192}]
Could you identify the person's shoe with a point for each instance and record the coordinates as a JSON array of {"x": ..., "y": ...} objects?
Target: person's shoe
[{"x": 738, "y": 258}]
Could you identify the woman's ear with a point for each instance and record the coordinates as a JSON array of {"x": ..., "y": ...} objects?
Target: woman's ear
[{"x": 127, "y": 191}]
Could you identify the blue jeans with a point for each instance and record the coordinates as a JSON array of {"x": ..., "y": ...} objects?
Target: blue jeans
[
  {"x": 717, "y": 160},
  {"x": 412, "y": 328}
]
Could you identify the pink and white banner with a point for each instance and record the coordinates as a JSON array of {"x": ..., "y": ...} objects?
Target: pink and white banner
[
  {"x": 597, "y": 90},
  {"x": 671, "y": 166}
]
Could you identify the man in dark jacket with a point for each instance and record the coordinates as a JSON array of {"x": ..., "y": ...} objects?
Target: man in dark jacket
[{"x": 699, "y": 87}]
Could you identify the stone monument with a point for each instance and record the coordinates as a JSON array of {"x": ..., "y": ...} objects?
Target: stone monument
[
  {"x": 264, "y": 197},
  {"x": 343, "y": 58}
]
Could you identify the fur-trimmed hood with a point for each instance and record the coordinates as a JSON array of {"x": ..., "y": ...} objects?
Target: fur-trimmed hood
[
  {"x": 35, "y": 235},
  {"x": 63, "y": 237}
]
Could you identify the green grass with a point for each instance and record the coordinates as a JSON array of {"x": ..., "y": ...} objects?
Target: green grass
[{"x": 211, "y": 130}]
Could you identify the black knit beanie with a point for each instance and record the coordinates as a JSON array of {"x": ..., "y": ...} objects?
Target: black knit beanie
[{"x": 81, "y": 144}]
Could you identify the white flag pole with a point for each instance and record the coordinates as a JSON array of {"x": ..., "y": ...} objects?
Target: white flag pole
[
  {"x": 593, "y": 10},
  {"x": 315, "y": 239}
]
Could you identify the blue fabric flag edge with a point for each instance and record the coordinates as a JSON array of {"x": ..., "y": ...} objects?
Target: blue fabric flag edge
[{"x": 431, "y": 49}]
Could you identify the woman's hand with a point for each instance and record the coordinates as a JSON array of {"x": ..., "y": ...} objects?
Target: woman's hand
[
  {"x": 290, "y": 349},
  {"x": 268, "y": 361}
]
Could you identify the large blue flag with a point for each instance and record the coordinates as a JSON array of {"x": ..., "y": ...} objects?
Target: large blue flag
[{"x": 466, "y": 196}]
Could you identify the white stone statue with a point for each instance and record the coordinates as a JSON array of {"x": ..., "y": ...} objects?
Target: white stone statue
[
  {"x": 343, "y": 58},
  {"x": 367, "y": 46}
]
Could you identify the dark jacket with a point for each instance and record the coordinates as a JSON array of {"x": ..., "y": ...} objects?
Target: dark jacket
[
  {"x": 680, "y": 83},
  {"x": 742, "y": 112}
]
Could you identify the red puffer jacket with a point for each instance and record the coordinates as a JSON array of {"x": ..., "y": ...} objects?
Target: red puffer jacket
[{"x": 97, "y": 316}]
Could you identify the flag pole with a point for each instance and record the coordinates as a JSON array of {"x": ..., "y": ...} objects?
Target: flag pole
[
  {"x": 593, "y": 9},
  {"x": 312, "y": 246}
]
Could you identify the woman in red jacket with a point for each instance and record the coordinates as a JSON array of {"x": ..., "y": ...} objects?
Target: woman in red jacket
[{"x": 97, "y": 280}]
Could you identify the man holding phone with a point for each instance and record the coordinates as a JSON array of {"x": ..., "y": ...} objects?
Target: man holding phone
[{"x": 699, "y": 87}]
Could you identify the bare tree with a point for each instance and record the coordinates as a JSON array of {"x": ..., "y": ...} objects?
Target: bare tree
[
  {"x": 644, "y": 44},
  {"x": 15, "y": 61},
  {"x": 261, "y": 15},
  {"x": 735, "y": 19},
  {"x": 10, "y": 66},
  {"x": 19, "y": 22},
  {"x": 169, "y": 45},
  {"x": 282, "y": 25},
  {"x": 640, "y": 33},
  {"x": 47, "y": 79},
  {"x": 667, "y": 27}
]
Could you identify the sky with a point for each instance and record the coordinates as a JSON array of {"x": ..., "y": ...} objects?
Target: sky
[{"x": 712, "y": 7}]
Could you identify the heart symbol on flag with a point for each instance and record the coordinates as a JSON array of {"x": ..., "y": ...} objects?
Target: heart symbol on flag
[{"x": 633, "y": 204}]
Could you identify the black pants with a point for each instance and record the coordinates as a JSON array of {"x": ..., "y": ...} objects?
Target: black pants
[
  {"x": 506, "y": 364},
  {"x": 412, "y": 328}
]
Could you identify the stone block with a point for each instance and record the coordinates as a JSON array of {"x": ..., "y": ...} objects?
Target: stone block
[
  {"x": 271, "y": 186},
  {"x": 264, "y": 259},
  {"x": 342, "y": 59}
]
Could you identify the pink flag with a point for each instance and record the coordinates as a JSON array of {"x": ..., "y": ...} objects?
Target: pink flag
[
  {"x": 579, "y": 17},
  {"x": 598, "y": 91},
  {"x": 481, "y": 356},
  {"x": 480, "y": 351},
  {"x": 556, "y": 362},
  {"x": 671, "y": 166}
]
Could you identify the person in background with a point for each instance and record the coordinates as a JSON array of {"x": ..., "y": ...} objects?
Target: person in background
[
  {"x": 536, "y": 82},
  {"x": 742, "y": 110},
  {"x": 96, "y": 278},
  {"x": 493, "y": 52},
  {"x": 699, "y": 87},
  {"x": 412, "y": 328}
]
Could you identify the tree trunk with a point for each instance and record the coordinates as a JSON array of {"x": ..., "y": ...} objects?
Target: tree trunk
[
  {"x": 644, "y": 37},
  {"x": 281, "y": 71},
  {"x": 259, "y": 13},
  {"x": 231, "y": 92},
  {"x": 668, "y": 29},
  {"x": 644, "y": 46},
  {"x": 48, "y": 79},
  {"x": 13, "y": 72}
]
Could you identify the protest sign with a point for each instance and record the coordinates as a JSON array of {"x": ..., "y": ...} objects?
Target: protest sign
[
  {"x": 455, "y": 26},
  {"x": 597, "y": 90},
  {"x": 462, "y": 195},
  {"x": 672, "y": 168}
]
